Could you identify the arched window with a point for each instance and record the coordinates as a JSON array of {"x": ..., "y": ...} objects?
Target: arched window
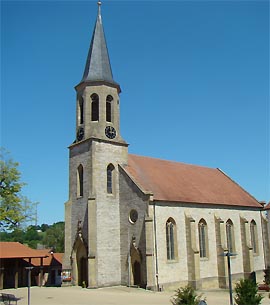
[
  {"x": 230, "y": 236},
  {"x": 109, "y": 108},
  {"x": 95, "y": 107},
  {"x": 110, "y": 170},
  {"x": 171, "y": 239},
  {"x": 202, "y": 227},
  {"x": 80, "y": 181},
  {"x": 81, "y": 110},
  {"x": 254, "y": 236}
]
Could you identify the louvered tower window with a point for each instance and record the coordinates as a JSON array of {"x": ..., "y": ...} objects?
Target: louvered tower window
[
  {"x": 80, "y": 181},
  {"x": 81, "y": 110},
  {"x": 109, "y": 102},
  {"x": 95, "y": 107}
]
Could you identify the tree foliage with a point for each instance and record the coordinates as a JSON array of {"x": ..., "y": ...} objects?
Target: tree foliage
[
  {"x": 246, "y": 293},
  {"x": 46, "y": 236},
  {"x": 55, "y": 237},
  {"x": 186, "y": 296},
  {"x": 14, "y": 207}
]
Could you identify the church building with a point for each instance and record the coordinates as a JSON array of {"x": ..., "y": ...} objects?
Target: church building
[{"x": 140, "y": 221}]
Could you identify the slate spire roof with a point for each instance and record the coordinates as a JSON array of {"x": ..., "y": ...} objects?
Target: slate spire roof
[{"x": 98, "y": 67}]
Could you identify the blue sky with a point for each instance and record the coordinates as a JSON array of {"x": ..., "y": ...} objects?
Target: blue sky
[{"x": 194, "y": 78}]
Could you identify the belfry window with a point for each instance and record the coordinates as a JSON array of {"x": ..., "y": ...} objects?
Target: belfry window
[
  {"x": 81, "y": 110},
  {"x": 95, "y": 107},
  {"x": 109, "y": 108},
  {"x": 171, "y": 239},
  {"x": 202, "y": 227},
  {"x": 80, "y": 181},
  {"x": 230, "y": 236},
  {"x": 253, "y": 235},
  {"x": 110, "y": 172}
]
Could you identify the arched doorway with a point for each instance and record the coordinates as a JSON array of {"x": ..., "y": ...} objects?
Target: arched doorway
[
  {"x": 136, "y": 267},
  {"x": 136, "y": 270},
  {"x": 82, "y": 279},
  {"x": 81, "y": 264}
]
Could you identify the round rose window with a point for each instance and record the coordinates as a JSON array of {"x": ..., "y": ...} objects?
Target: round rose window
[{"x": 133, "y": 216}]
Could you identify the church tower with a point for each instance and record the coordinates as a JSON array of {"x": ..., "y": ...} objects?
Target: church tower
[{"x": 92, "y": 225}]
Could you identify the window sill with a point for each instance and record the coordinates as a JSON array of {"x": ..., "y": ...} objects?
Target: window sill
[
  {"x": 204, "y": 259},
  {"x": 172, "y": 261}
]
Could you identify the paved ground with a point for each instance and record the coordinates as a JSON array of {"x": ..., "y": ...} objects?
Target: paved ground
[{"x": 109, "y": 296}]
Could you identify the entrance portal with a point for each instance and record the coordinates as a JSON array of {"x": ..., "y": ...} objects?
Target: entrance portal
[
  {"x": 81, "y": 267},
  {"x": 136, "y": 267},
  {"x": 82, "y": 280},
  {"x": 136, "y": 270}
]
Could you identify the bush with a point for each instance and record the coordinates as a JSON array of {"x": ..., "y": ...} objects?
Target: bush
[
  {"x": 186, "y": 296},
  {"x": 247, "y": 293}
]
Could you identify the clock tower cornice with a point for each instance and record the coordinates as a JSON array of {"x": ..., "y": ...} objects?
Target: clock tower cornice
[
  {"x": 99, "y": 140},
  {"x": 83, "y": 84}
]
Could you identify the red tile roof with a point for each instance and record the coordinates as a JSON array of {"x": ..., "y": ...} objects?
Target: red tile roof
[
  {"x": 51, "y": 259},
  {"x": 179, "y": 182},
  {"x": 17, "y": 250},
  {"x": 267, "y": 207}
]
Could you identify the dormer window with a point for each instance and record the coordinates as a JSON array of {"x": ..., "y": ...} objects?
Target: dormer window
[
  {"x": 94, "y": 107},
  {"x": 109, "y": 108}
]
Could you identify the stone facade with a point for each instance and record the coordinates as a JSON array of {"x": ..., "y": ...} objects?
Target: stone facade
[
  {"x": 117, "y": 234},
  {"x": 203, "y": 272},
  {"x": 266, "y": 234}
]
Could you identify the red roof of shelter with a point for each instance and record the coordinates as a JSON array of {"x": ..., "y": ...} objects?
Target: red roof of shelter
[
  {"x": 51, "y": 259},
  {"x": 267, "y": 207},
  {"x": 17, "y": 250},
  {"x": 180, "y": 182}
]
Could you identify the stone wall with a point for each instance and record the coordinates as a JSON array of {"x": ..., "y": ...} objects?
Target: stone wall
[
  {"x": 206, "y": 271},
  {"x": 132, "y": 233}
]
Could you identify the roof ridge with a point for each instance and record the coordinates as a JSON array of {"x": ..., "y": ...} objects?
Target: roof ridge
[{"x": 174, "y": 162}]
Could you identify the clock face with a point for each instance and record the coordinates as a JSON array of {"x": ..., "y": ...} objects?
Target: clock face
[
  {"x": 80, "y": 134},
  {"x": 110, "y": 132}
]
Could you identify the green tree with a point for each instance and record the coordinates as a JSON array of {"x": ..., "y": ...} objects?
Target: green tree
[
  {"x": 186, "y": 296},
  {"x": 32, "y": 237},
  {"x": 44, "y": 227},
  {"x": 246, "y": 293},
  {"x": 55, "y": 236},
  {"x": 15, "y": 208}
]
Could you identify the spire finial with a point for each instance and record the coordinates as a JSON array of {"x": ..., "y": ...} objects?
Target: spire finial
[{"x": 99, "y": 8}]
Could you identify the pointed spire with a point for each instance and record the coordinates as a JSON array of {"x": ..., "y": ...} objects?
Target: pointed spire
[{"x": 98, "y": 67}]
